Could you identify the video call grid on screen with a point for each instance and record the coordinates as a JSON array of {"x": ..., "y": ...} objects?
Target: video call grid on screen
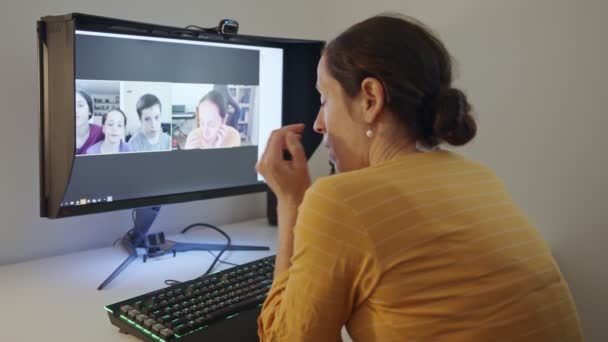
[{"x": 151, "y": 104}]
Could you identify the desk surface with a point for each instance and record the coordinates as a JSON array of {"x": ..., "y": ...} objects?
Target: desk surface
[{"x": 56, "y": 299}]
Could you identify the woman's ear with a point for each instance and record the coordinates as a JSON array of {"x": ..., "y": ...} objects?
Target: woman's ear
[{"x": 372, "y": 93}]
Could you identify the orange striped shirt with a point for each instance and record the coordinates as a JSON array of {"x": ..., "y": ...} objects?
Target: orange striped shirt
[{"x": 425, "y": 247}]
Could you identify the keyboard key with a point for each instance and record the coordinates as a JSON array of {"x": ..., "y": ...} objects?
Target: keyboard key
[
  {"x": 180, "y": 330},
  {"x": 156, "y": 314},
  {"x": 157, "y": 328},
  {"x": 164, "y": 319},
  {"x": 149, "y": 323},
  {"x": 173, "y": 323},
  {"x": 138, "y": 305},
  {"x": 166, "y": 333},
  {"x": 133, "y": 313}
]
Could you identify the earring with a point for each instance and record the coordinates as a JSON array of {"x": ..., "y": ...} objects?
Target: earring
[{"x": 369, "y": 133}]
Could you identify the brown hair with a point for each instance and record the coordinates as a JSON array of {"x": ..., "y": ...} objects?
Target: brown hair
[
  {"x": 147, "y": 101},
  {"x": 105, "y": 116},
  {"x": 415, "y": 70},
  {"x": 217, "y": 99}
]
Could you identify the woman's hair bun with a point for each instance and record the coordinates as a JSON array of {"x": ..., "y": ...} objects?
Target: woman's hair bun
[{"x": 453, "y": 121}]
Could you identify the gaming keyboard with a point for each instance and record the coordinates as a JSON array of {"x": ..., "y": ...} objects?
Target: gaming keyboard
[{"x": 187, "y": 311}]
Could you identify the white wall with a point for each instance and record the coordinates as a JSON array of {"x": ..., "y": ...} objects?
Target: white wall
[
  {"x": 536, "y": 73},
  {"x": 23, "y": 235},
  {"x": 189, "y": 94}
]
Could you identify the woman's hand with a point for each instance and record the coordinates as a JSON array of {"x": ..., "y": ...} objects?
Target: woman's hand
[
  {"x": 221, "y": 136},
  {"x": 288, "y": 179},
  {"x": 193, "y": 140}
]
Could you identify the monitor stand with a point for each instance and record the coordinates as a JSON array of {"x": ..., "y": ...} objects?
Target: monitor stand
[{"x": 136, "y": 238}]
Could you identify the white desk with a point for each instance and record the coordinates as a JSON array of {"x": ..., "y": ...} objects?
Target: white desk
[{"x": 56, "y": 299}]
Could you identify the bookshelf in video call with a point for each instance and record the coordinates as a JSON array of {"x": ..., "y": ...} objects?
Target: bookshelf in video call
[{"x": 243, "y": 95}]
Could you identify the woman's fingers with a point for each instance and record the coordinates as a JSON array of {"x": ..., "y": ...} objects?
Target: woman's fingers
[
  {"x": 296, "y": 150},
  {"x": 220, "y": 136},
  {"x": 277, "y": 142}
]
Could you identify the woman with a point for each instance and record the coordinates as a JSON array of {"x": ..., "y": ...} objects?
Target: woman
[
  {"x": 212, "y": 131},
  {"x": 87, "y": 134},
  {"x": 114, "y": 125},
  {"x": 233, "y": 110},
  {"x": 402, "y": 244}
]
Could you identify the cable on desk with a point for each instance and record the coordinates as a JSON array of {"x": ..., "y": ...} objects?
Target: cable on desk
[
  {"x": 171, "y": 282},
  {"x": 222, "y": 261},
  {"x": 129, "y": 231},
  {"x": 228, "y": 242}
]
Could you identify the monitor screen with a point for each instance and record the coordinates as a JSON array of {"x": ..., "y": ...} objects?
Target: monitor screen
[{"x": 157, "y": 116}]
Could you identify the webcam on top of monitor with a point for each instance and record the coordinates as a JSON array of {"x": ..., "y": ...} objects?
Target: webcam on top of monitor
[{"x": 228, "y": 28}]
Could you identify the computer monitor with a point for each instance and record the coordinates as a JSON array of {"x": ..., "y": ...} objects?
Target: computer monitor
[{"x": 137, "y": 115}]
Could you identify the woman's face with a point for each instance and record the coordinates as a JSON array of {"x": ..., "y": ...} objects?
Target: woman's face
[
  {"x": 82, "y": 111},
  {"x": 210, "y": 120},
  {"x": 343, "y": 133},
  {"x": 150, "y": 121},
  {"x": 114, "y": 127}
]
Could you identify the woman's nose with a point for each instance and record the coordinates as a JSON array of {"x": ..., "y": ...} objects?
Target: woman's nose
[{"x": 319, "y": 125}]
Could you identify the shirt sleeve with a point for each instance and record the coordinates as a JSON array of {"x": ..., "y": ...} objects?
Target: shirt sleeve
[
  {"x": 333, "y": 270},
  {"x": 234, "y": 137}
]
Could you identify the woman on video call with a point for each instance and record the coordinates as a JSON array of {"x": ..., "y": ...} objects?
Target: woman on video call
[
  {"x": 212, "y": 131},
  {"x": 407, "y": 242},
  {"x": 114, "y": 125},
  {"x": 233, "y": 110},
  {"x": 87, "y": 134}
]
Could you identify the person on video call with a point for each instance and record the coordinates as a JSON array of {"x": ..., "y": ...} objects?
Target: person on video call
[
  {"x": 212, "y": 131},
  {"x": 114, "y": 125},
  {"x": 233, "y": 110},
  {"x": 150, "y": 136},
  {"x": 408, "y": 242},
  {"x": 87, "y": 134}
]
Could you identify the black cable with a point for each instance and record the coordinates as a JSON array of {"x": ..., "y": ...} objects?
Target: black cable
[
  {"x": 196, "y": 27},
  {"x": 128, "y": 232},
  {"x": 171, "y": 282},
  {"x": 213, "y": 30},
  {"x": 115, "y": 241},
  {"x": 228, "y": 242},
  {"x": 222, "y": 261}
]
